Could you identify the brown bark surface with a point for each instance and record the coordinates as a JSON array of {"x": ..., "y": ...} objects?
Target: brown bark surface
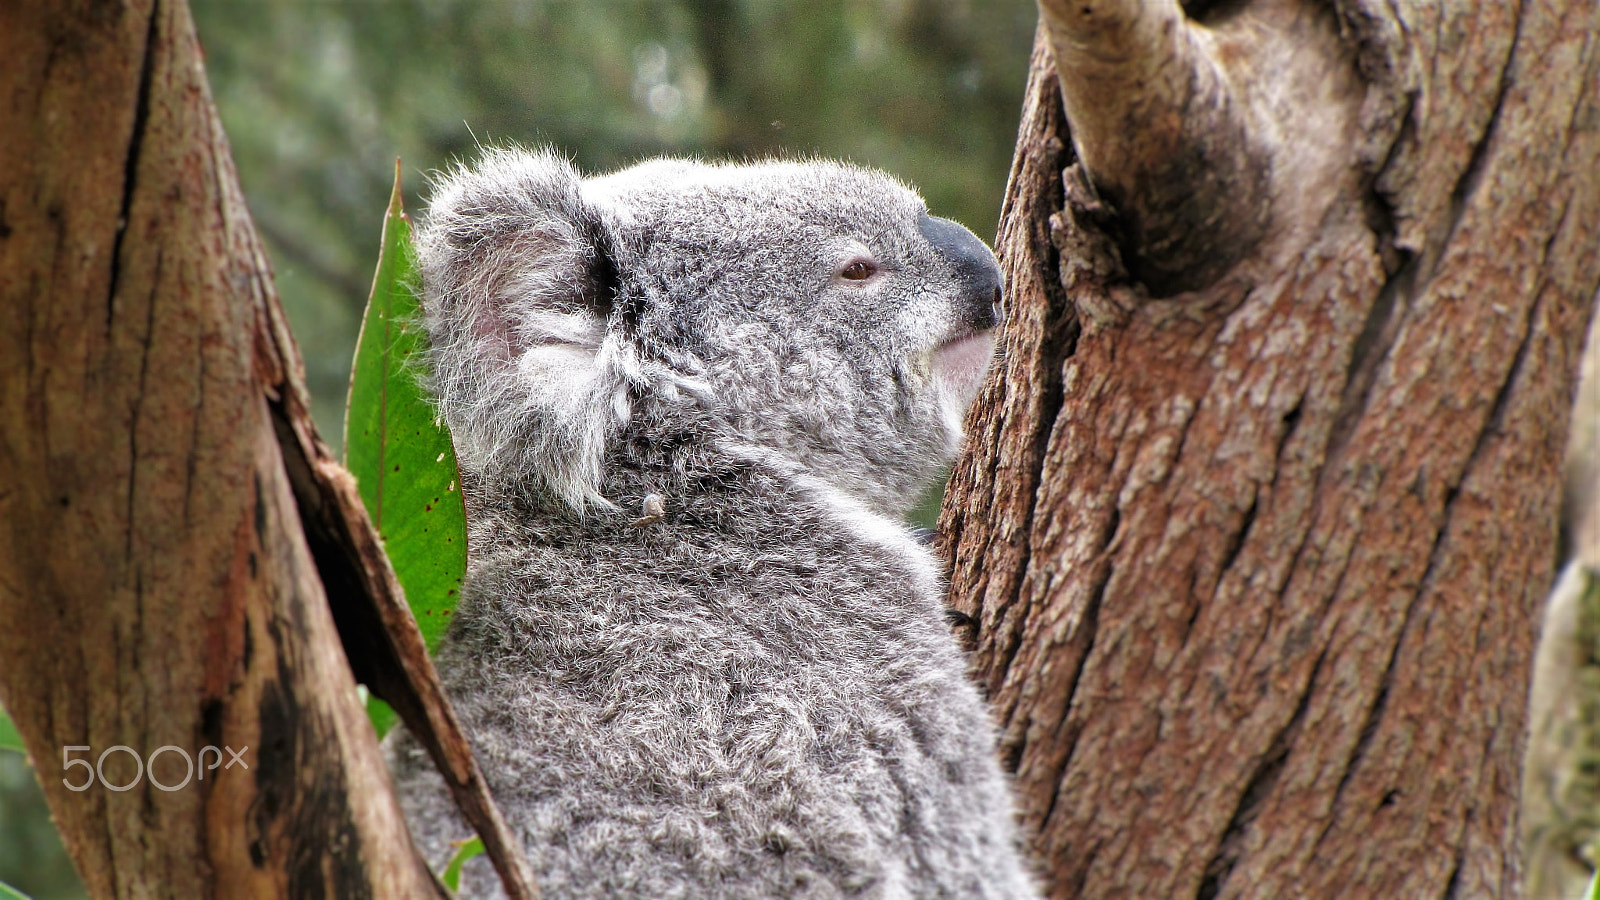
[
  {"x": 1256, "y": 567},
  {"x": 159, "y": 584}
]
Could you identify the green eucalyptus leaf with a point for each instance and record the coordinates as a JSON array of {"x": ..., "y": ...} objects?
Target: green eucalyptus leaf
[
  {"x": 464, "y": 851},
  {"x": 382, "y": 715},
  {"x": 10, "y": 738},
  {"x": 398, "y": 448},
  {"x": 7, "y": 892}
]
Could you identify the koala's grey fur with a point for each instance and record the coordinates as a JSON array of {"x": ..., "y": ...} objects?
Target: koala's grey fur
[{"x": 742, "y": 687}]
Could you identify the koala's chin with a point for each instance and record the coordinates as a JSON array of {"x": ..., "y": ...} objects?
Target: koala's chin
[
  {"x": 959, "y": 366},
  {"x": 697, "y": 652}
]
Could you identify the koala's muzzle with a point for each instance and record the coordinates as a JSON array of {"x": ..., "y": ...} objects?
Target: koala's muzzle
[{"x": 975, "y": 267}]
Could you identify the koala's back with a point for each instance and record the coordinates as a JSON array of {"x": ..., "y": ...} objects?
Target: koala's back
[{"x": 770, "y": 709}]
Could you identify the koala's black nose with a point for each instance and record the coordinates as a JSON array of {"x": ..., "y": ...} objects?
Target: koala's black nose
[{"x": 975, "y": 266}]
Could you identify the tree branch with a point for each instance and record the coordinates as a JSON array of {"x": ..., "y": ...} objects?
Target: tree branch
[
  {"x": 380, "y": 637},
  {"x": 1181, "y": 126}
]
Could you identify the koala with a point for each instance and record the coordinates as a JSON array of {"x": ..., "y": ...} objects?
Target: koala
[{"x": 698, "y": 653}]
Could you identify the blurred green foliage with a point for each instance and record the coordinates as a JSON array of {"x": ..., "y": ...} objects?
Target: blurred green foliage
[
  {"x": 32, "y": 859},
  {"x": 319, "y": 97}
]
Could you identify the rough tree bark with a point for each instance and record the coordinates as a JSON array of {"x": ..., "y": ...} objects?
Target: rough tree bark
[
  {"x": 172, "y": 531},
  {"x": 1256, "y": 517}
]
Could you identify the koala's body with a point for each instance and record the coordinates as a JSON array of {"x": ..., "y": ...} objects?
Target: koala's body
[{"x": 697, "y": 653}]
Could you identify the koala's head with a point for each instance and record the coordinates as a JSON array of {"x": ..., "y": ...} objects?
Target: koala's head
[{"x": 809, "y": 310}]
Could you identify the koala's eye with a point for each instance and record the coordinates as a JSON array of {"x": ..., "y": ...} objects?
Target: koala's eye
[{"x": 858, "y": 270}]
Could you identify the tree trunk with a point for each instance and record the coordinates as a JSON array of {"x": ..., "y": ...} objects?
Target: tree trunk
[
  {"x": 1257, "y": 515},
  {"x": 168, "y": 518}
]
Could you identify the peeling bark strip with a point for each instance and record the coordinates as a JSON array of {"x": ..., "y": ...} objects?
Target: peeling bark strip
[
  {"x": 155, "y": 462},
  {"x": 1256, "y": 566}
]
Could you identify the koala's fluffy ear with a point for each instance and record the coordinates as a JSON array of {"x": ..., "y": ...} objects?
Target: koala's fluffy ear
[{"x": 518, "y": 284}]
